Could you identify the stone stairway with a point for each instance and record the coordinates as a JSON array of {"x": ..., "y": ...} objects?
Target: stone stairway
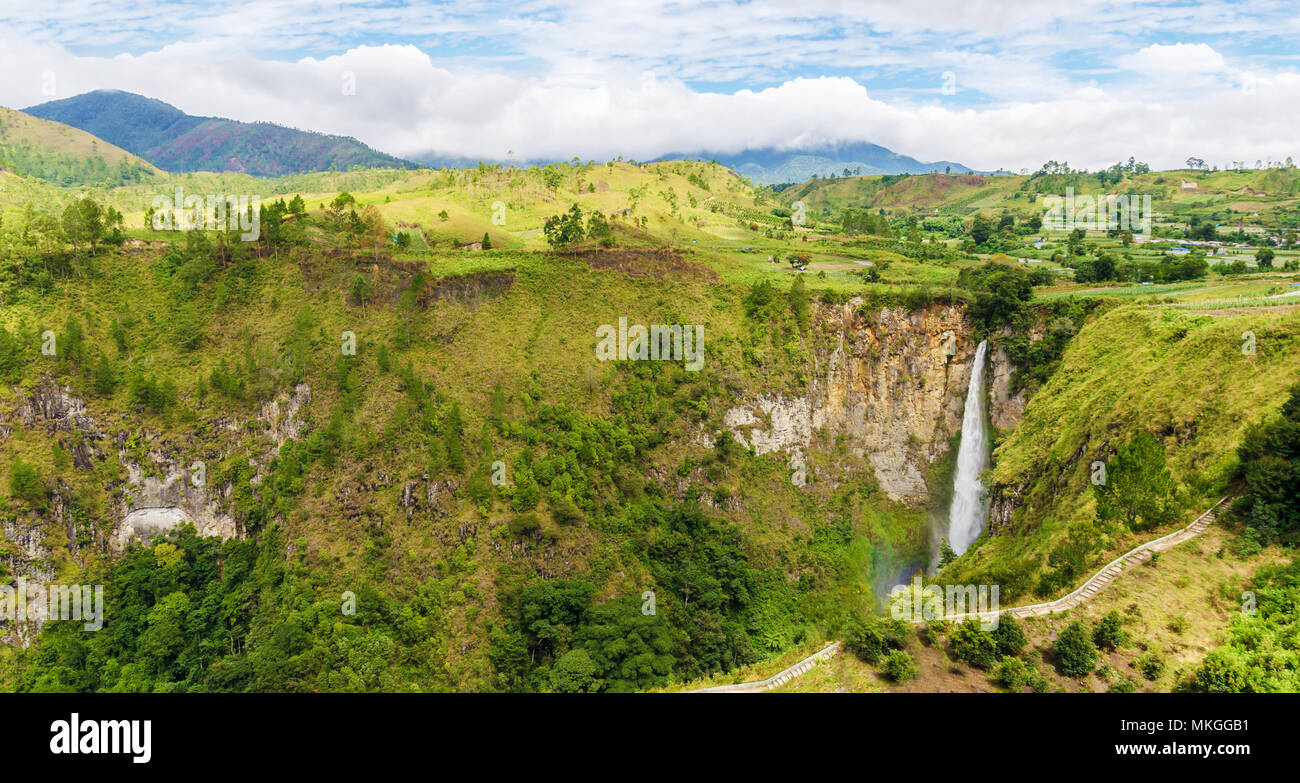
[
  {"x": 1084, "y": 593},
  {"x": 1107, "y": 573},
  {"x": 777, "y": 679}
]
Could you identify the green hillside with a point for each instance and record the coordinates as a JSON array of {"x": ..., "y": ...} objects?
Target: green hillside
[
  {"x": 175, "y": 141},
  {"x": 62, "y": 155},
  {"x": 427, "y": 478}
]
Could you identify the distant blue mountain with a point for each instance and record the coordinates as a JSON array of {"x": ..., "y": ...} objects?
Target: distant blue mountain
[
  {"x": 175, "y": 141},
  {"x": 771, "y": 165}
]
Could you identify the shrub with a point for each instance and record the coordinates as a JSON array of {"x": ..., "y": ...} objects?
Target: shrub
[
  {"x": 188, "y": 328},
  {"x": 1268, "y": 455},
  {"x": 973, "y": 646},
  {"x": 870, "y": 638},
  {"x": 930, "y": 632},
  {"x": 1012, "y": 673},
  {"x": 1139, "y": 487},
  {"x": 1151, "y": 665},
  {"x": 1123, "y": 686},
  {"x": 25, "y": 483},
  {"x": 1076, "y": 655},
  {"x": 105, "y": 380},
  {"x": 565, "y": 512},
  {"x": 1009, "y": 636},
  {"x": 899, "y": 666},
  {"x": 1109, "y": 633},
  {"x": 524, "y": 524}
]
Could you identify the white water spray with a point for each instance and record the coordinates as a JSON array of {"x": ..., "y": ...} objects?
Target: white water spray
[{"x": 969, "y": 511}]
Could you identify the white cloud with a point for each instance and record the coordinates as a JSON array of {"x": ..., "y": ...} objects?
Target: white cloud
[
  {"x": 584, "y": 92},
  {"x": 1179, "y": 58}
]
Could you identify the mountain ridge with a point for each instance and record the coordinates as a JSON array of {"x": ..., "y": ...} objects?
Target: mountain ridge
[{"x": 176, "y": 141}]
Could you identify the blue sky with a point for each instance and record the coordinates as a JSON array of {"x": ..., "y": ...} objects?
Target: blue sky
[{"x": 989, "y": 84}]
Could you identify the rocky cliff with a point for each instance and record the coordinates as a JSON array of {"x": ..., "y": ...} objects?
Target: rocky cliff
[
  {"x": 887, "y": 383},
  {"x": 165, "y": 482}
]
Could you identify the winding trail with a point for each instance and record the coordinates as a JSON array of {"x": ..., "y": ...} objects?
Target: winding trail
[{"x": 1084, "y": 593}]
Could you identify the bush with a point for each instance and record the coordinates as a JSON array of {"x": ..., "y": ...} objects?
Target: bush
[
  {"x": 1013, "y": 673},
  {"x": 1123, "y": 686},
  {"x": 105, "y": 380},
  {"x": 187, "y": 327},
  {"x": 973, "y": 646},
  {"x": 1268, "y": 455},
  {"x": 1109, "y": 633},
  {"x": 871, "y": 638},
  {"x": 1009, "y": 636},
  {"x": 1139, "y": 487},
  {"x": 565, "y": 512},
  {"x": 1151, "y": 665},
  {"x": 152, "y": 394},
  {"x": 524, "y": 524},
  {"x": 899, "y": 666},
  {"x": 930, "y": 632},
  {"x": 1076, "y": 655},
  {"x": 25, "y": 483}
]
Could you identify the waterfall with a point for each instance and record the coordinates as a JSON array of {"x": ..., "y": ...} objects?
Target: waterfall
[{"x": 969, "y": 510}]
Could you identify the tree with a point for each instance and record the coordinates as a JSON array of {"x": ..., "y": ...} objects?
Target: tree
[
  {"x": 946, "y": 553},
  {"x": 487, "y": 241},
  {"x": 563, "y": 230},
  {"x": 83, "y": 222},
  {"x": 1138, "y": 487},
  {"x": 374, "y": 227},
  {"x": 981, "y": 228},
  {"x": 335, "y": 210},
  {"x": 799, "y": 306},
  {"x": 1076, "y": 655},
  {"x": 1269, "y": 456},
  {"x": 165, "y": 635},
  {"x": 552, "y": 177},
  {"x": 104, "y": 377},
  {"x": 360, "y": 290},
  {"x": 871, "y": 638},
  {"x": 599, "y": 229},
  {"x": 1001, "y": 292},
  {"x": 297, "y": 206},
  {"x": 1264, "y": 257}
]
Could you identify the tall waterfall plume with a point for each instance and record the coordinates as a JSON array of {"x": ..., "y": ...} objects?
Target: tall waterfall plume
[{"x": 969, "y": 509}]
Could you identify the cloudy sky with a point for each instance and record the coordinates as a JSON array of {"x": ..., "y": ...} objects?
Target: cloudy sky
[{"x": 991, "y": 84}]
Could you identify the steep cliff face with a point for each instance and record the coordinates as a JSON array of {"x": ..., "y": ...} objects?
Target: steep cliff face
[
  {"x": 887, "y": 383},
  {"x": 1005, "y": 408},
  {"x": 165, "y": 484}
]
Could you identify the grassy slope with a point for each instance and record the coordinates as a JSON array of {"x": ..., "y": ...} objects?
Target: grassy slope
[
  {"x": 1179, "y": 375},
  {"x": 1265, "y": 191},
  {"x": 1178, "y": 608},
  {"x": 17, "y": 128},
  {"x": 542, "y": 329},
  {"x": 1136, "y": 366}
]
